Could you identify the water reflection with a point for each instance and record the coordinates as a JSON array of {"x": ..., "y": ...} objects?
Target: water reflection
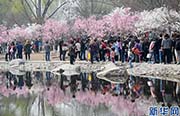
[{"x": 53, "y": 91}]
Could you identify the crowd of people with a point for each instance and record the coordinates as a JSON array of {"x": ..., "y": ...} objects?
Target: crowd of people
[{"x": 149, "y": 47}]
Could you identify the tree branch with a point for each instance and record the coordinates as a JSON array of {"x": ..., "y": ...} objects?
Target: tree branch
[
  {"x": 83, "y": 12},
  {"x": 25, "y": 11},
  {"x": 34, "y": 4},
  {"x": 100, "y": 8},
  {"x": 56, "y": 9},
  {"x": 115, "y": 3},
  {"x": 14, "y": 19},
  {"x": 47, "y": 5},
  {"x": 31, "y": 9}
]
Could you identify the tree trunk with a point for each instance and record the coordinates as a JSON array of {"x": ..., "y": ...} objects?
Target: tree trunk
[{"x": 39, "y": 12}]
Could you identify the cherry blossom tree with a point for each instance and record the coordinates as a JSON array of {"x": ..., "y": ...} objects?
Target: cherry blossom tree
[
  {"x": 35, "y": 30},
  {"x": 158, "y": 18},
  {"x": 119, "y": 21},
  {"x": 19, "y": 33},
  {"x": 53, "y": 29},
  {"x": 123, "y": 20}
]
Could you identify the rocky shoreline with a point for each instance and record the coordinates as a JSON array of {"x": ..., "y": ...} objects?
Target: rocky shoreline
[
  {"x": 169, "y": 72},
  {"x": 115, "y": 73}
]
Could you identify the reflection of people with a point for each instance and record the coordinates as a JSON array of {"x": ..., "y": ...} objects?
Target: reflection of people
[
  {"x": 47, "y": 49},
  {"x": 152, "y": 88},
  {"x": 11, "y": 81},
  {"x": 62, "y": 82},
  {"x": 20, "y": 81},
  {"x": 94, "y": 83},
  {"x": 73, "y": 85},
  {"x": 48, "y": 80},
  {"x": 84, "y": 81},
  {"x": 178, "y": 91},
  {"x": 28, "y": 80}
]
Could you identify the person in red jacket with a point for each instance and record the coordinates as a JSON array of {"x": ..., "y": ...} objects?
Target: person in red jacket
[{"x": 103, "y": 50}]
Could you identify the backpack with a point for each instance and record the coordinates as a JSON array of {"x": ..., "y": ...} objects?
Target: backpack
[{"x": 136, "y": 51}]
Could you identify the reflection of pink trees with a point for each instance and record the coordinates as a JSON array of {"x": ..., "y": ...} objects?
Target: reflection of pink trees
[
  {"x": 9, "y": 91},
  {"x": 55, "y": 95},
  {"x": 118, "y": 104}
]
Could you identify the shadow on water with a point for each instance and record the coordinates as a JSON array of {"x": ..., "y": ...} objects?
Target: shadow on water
[{"x": 47, "y": 94}]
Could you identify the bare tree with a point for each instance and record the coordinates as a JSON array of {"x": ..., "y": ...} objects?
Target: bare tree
[
  {"x": 38, "y": 9},
  {"x": 86, "y": 8}
]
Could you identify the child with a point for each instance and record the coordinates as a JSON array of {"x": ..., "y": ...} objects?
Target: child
[{"x": 113, "y": 55}]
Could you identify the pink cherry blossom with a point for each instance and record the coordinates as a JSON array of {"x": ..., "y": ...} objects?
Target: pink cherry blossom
[{"x": 53, "y": 29}]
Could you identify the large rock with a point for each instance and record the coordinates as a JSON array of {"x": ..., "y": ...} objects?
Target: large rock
[
  {"x": 15, "y": 71},
  {"x": 114, "y": 73},
  {"x": 169, "y": 72},
  {"x": 67, "y": 69},
  {"x": 15, "y": 67},
  {"x": 16, "y": 63}
]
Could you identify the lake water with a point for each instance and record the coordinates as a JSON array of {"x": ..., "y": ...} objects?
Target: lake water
[{"x": 47, "y": 94}]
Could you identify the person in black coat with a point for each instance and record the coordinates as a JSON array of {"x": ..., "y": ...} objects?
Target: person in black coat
[
  {"x": 72, "y": 53},
  {"x": 177, "y": 48},
  {"x": 27, "y": 50}
]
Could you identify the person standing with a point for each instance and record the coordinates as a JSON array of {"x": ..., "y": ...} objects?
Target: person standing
[
  {"x": 60, "y": 49},
  {"x": 72, "y": 53},
  {"x": 177, "y": 49},
  {"x": 27, "y": 50},
  {"x": 103, "y": 50},
  {"x": 19, "y": 50},
  {"x": 83, "y": 50},
  {"x": 159, "y": 48},
  {"x": 166, "y": 47},
  {"x": 92, "y": 50},
  {"x": 78, "y": 49},
  {"x": 64, "y": 50},
  {"x": 173, "y": 40},
  {"x": 12, "y": 51},
  {"x": 36, "y": 45},
  {"x": 47, "y": 49},
  {"x": 151, "y": 51},
  {"x": 112, "y": 55},
  {"x": 7, "y": 56}
]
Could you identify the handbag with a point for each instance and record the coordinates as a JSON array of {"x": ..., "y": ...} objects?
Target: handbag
[{"x": 148, "y": 55}]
